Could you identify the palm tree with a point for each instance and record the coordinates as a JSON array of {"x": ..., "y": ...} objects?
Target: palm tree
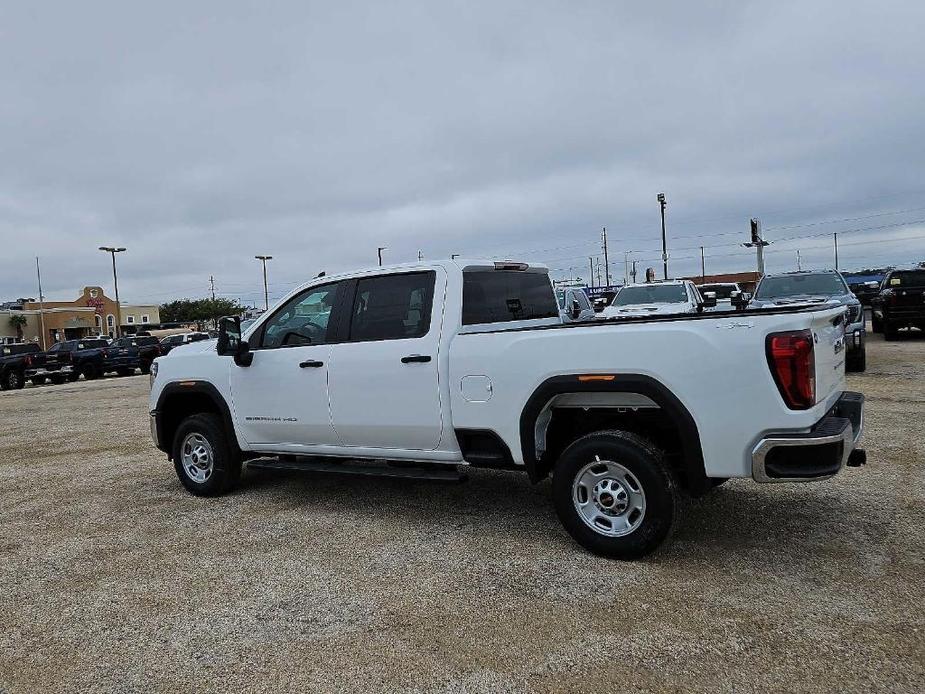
[{"x": 18, "y": 321}]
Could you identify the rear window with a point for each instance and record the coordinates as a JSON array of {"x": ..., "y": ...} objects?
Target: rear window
[
  {"x": 907, "y": 278},
  {"x": 19, "y": 349},
  {"x": 498, "y": 296}
]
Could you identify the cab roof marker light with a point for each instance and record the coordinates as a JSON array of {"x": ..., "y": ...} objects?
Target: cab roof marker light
[
  {"x": 596, "y": 377},
  {"x": 511, "y": 266}
]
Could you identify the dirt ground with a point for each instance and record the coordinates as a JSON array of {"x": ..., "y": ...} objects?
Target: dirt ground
[{"x": 112, "y": 578}]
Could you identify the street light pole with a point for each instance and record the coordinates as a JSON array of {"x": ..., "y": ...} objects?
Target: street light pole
[
  {"x": 266, "y": 290},
  {"x": 703, "y": 267},
  {"x": 379, "y": 251},
  {"x": 661, "y": 204},
  {"x": 112, "y": 250}
]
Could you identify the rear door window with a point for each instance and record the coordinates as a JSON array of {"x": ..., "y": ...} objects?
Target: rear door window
[
  {"x": 498, "y": 296},
  {"x": 392, "y": 307},
  {"x": 907, "y": 278}
]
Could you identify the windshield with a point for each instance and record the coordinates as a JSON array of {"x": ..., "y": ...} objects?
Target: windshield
[
  {"x": 722, "y": 291},
  {"x": 785, "y": 286},
  {"x": 907, "y": 278},
  {"x": 651, "y": 294}
]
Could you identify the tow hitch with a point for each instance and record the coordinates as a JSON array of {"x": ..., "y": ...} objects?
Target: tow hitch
[{"x": 857, "y": 458}]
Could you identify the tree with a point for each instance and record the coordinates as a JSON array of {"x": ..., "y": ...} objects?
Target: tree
[
  {"x": 199, "y": 311},
  {"x": 18, "y": 321}
]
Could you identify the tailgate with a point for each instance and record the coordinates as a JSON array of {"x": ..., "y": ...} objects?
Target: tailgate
[{"x": 828, "y": 329}]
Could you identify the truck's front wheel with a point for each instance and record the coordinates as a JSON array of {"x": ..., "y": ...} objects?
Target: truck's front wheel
[
  {"x": 203, "y": 458},
  {"x": 615, "y": 494}
]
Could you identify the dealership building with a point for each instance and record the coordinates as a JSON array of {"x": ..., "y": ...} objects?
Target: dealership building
[{"x": 91, "y": 313}]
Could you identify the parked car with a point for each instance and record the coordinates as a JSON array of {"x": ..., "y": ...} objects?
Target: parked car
[
  {"x": 171, "y": 341},
  {"x": 15, "y": 359},
  {"x": 657, "y": 298},
  {"x": 452, "y": 363},
  {"x": 129, "y": 353},
  {"x": 865, "y": 291},
  {"x": 900, "y": 303},
  {"x": 809, "y": 287},
  {"x": 574, "y": 305},
  {"x": 69, "y": 360}
]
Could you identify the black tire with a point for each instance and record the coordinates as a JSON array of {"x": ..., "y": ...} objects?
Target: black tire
[
  {"x": 126, "y": 372},
  {"x": 858, "y": 361},
  {"x": 876, "y": 325},
  {"x": 226, "y": 463},
  {"x": 89, "y": 372},
  {"x": 145, "y": 367},
  {"x": 12, "y": 380},
  {"x": 38, "y": 380},
  {"x": 58, "y": 379},
  {"x": 890, "y": 332},
  {"x": 648, "y": 469},
  {"x": 73, "y": 376}
]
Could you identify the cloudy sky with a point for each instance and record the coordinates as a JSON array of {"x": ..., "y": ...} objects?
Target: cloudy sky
[{"x": 198, "y": 134}]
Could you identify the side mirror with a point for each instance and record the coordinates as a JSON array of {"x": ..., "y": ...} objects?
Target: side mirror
[
  {"x": 709, "y": 299},
  {"x": 740, "y": 299},
  {"x": 230, "y": 342}
]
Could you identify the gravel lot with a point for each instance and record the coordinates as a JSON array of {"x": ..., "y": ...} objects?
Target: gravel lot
[{"x": 112, "y": 578}]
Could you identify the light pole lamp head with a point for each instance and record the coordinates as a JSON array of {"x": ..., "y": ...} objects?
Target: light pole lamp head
[
  {"x": 264, "y": 257},
  {"x": 661, "y": 198}
]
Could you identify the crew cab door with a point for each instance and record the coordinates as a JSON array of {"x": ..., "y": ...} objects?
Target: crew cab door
[
  {"x": 280, "y": 401},
  {"x": 384, "y": 378}
]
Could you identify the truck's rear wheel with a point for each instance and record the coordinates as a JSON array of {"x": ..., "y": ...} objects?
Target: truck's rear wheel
[
  {"x": 38, "y": 380},
  {"x": 615, "y": 494},
  {"x": 13, "y": 380},
  {"x": 89, "y": 372},
  {"x": 203, "y": 458}
]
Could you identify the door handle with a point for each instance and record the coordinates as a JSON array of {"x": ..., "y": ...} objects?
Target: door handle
[
  {"x": 415, "y": 359},
  {"x": 311, "y": 364}
]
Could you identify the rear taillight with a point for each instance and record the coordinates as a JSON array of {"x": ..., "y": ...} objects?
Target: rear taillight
[
  {"x": 28, "y": 361},
  {"x": 105, "y": 354},
  {"x": 790, "y": 357}
]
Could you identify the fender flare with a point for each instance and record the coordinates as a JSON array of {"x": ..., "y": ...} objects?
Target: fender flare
[
  {"x": 192, "y": 387},
  {"x": 692, "y": 451}
]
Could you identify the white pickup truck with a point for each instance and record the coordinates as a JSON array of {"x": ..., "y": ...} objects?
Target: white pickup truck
[{"x": 431, "y": 366}]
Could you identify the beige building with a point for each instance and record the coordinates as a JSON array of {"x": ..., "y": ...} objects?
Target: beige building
[{"x": 92, "y": 313}]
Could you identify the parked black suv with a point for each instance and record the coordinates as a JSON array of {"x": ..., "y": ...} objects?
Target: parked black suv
[
  {"x": 14, "y": 360},
  {"x": 900, "y": 303}
]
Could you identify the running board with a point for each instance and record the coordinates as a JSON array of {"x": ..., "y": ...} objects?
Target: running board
[{"x": 435, "y": 473}]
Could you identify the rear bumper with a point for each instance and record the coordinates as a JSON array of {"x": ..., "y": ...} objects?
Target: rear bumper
[
  {"x": 817, "y": 454},
  {"x": 42, "y": 371}
]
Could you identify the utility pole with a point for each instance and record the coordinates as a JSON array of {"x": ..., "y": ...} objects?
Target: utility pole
[
  {"x": 662, "y": 203},
  {"x": 379, "y": 251},
  {"x": 38, "y": 271},
  {"x": 836, "y": 251},
  {"x": 212, "y": 286},
  {"x": 758, "y": 243},
  {"x": 606, "y": 260},
  {"x": 591, "y": 276},
  {"x": 799, "y": 262},
  {"x": 626, "y": 267},
  {"x": 266, "y": 291},
  {"x": 420, "y": 255},
  {"x": 703, "y": 267},
  {"x": 634, "y": 272},
  {"x": 117, "y": 332}
]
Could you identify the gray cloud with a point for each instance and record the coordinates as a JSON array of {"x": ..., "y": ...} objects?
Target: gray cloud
[{"x": 200, "y": 134}]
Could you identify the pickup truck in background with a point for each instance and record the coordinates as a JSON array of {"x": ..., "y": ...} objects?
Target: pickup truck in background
[
  {"x": 171, "y": 341},
  {"x": 69, "y": 360},
  {"x": 14, "y": 361},
  {"x": 900, "y": 303},
  {"x": 129, "y": 353},
  {"x": 668, "y": 297},
  {"x": 468, "y": 363}
]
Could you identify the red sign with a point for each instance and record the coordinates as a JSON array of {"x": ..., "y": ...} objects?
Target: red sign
[{"x": 97, "y": 304}]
